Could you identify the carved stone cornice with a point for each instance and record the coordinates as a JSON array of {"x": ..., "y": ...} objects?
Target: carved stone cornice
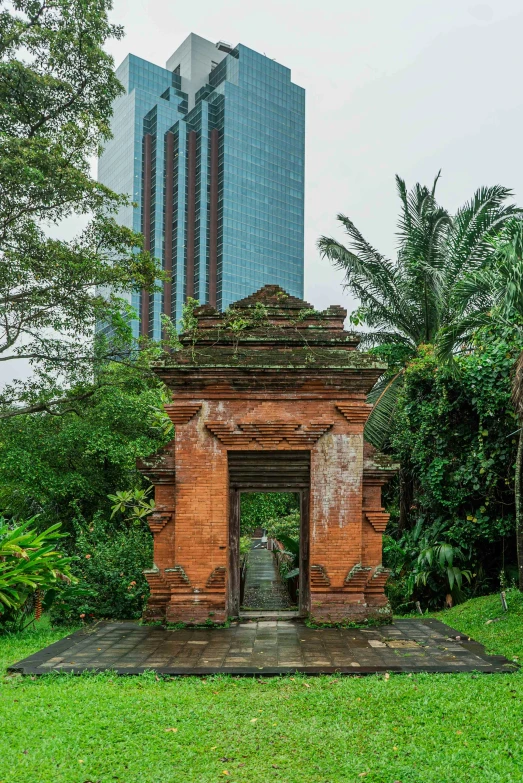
[
  {"x": 160, "y": 589},
  {"x": 216, "y": 581},
  {"x": 378, "y": 468},
  {"x": 357, "y": 577},
  {"x": 159, "y": 468},
  {"x": 319, "y": 576},
  {"x": 268, "y": 434},
  {"x": 377, "y": 580},
  {"x": 158, "y": 519},
  {"x": 182, "y": 412},
  {"x": 177, "y": 577},
  {"x": 377, "y": 517},
  {"x": 355, "y": 412}
]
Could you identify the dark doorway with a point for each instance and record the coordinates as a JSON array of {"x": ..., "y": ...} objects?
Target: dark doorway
[{"x": 268, "y": 472}]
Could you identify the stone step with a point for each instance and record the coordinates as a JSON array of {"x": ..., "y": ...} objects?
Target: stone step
[{"x": 280, "y": 614}]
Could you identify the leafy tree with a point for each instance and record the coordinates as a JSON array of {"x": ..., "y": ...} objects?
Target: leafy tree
[
  {"x": 287, "y": 526},
  {"x": 57, "y": 85},
  {"x": 404, "y": 303},
  {"x": 63, "y": 467},
  {"x": 456, "y": 426},
  {"x": 494, "y": 293},
  {"x": 258, "y": 509}
]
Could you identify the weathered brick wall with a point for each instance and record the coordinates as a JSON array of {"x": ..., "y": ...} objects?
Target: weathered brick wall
[{"x": 191, "y": 551}]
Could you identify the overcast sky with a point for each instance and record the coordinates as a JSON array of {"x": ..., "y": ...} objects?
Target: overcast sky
[{"x": 392, "y": 86}]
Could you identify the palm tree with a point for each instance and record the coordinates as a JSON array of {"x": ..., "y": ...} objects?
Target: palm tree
[
  {"x": 494, "y": 291},
  {"x": 407, "y": 301}
]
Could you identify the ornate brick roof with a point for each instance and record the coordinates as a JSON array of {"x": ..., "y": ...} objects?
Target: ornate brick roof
[
  {"x": 271, "y": 315},
  {"x": 274, "y": 298},
  {"x": 270, "y": 339}
]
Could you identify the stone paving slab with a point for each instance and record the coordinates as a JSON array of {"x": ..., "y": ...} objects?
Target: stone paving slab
[{"x": 265, "y": 648}]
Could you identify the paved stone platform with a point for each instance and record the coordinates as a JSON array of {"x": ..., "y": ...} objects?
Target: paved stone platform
[{"x": 265, "y": 647}]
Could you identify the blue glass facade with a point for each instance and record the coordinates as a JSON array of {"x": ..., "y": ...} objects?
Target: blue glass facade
[{"x": 215, "y": 166}]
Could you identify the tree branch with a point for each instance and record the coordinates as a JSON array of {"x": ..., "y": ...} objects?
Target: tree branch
[{"x": 45, "y": 407}]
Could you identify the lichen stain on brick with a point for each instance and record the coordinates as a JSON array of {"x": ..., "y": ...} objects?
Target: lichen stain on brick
[
  {"x": 339, "y": 474},
  {"x": 205, "y": 441}
]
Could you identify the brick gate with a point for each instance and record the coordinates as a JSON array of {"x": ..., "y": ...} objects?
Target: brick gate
[{"x": 270, "y": 395}]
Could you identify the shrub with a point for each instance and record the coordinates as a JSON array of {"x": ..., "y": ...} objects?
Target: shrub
[
  {"x": 54, "y": 466},
  {"x": 28, "y": 562},
  {"x": 425, "y": 567},
  {"x": 245, "y": 546},
  {"x": 259, "y": 508},
  {"x": 287, "y": 526},
  {"x": 109, "y": 566},
  {"x": 455, "y": 435}
]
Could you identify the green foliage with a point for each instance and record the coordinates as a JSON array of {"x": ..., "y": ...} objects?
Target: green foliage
[
  {"x": 406, "y": 302},
  {"x": 425, "y": 567},
  {"x": 437, "y": 560},
  {"x": 454, "y": 430},
  {"x": 245, "y": 546},
  {"x": 237, "y": 321},
  {"x": 189, "y": 321},
  {"x": 57, "y": 85},
  {"x": 492, "y": 293},
  {"x": 287, "y": 525},
  {"x": 286, "y": 530},
  {"x": 108, "y": 567},
  {"x": 289, "y": 564},
  {"x": 258, "y": 509},
  {"x": 29, "y": 561},
  {"x": 57, "y": 466},
  {"x": 457, "y": 431},
  {"x": 133, "y": 503}
]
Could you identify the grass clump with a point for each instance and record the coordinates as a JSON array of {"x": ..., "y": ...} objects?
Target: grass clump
[{"x": 484, "y": 620}]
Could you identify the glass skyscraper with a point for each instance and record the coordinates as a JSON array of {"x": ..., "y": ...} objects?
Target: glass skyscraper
[{"x": 211, "y": 151}]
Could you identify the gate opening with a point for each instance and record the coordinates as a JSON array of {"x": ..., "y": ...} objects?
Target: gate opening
[{"x": 270, "y": 532}]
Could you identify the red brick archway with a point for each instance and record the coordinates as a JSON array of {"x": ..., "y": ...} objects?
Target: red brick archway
[
  {"x": 268, "y": 471},
  {"x": 273, "y": 377}
]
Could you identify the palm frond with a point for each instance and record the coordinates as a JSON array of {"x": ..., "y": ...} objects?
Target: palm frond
[
  {"x": 475, "y": 222},
  {"x": 384, "y": 397},
  {"x": 474, "y": 291},
  {"x": 508, "y": 267},
  {"x": 422, "y": 229},
  {"x": 450, "y": 275},
  {"x": 458, "y": 335},
  {"x": 434, "y": 184},
  {"x": 384, "y": 337},
  {"x": 369, "y": 276}
]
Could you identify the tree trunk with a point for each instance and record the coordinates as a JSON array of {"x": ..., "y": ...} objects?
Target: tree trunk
[
  {"x": 405, "y": 499},
  {"x": 518, "y": 499}
]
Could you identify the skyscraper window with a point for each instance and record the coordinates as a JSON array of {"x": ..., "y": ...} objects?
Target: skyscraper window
[{"x": 211, "y": 151}]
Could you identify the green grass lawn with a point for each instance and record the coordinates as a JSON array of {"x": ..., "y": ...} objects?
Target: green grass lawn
[{"x": 454, "y": 728}]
